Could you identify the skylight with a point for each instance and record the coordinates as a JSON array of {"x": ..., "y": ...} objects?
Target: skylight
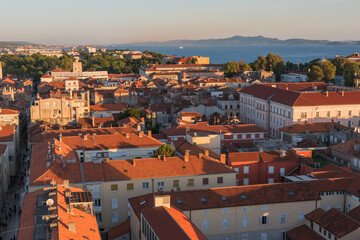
[
  {"x": 292, "y": 194},
  {"x": 243, "y": 196},
  {"x": 224, "y": 198},
  {"x": 179, "y": 201},
  {"x": 203, "y": 200}
]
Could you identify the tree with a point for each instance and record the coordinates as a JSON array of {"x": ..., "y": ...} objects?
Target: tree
[
  {"x": 243, "y": 66},
  {"x": 328, "y": 70},
  {"x": 165, "y": 150},
  {"x": 259, "y": 64},
  {"x": 315, "y": 74},
  {"x": 350, "y": 69}
]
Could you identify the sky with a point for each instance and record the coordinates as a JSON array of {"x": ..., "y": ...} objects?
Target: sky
[{"x": 69, "y": 22}]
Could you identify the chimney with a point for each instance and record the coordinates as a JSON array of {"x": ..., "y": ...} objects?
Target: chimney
[
  {"x": 93, "y": 121},
  {"x": 206, "y": 152},
  {"x": 60, "y": 138},
  {"x": 66, "y": 184},
  {"x": 306, "y": 122},
  {"x": 134, "y": 162},
  {"x": 71, "y": 226},
  {"x": 85, "y": 137},
  {"x": 223, "y": 159},
  {"x": 327, "y": 93},
  {"x": 149, "y": 133},
  {"x": 138, "y": 127},
  {"x": 67, "y": 193},
  {"x": 70, "y": 209},
  {"x": 162, "y": 201},
  {"x": 164, "y": 158},
  {"x": 159, "y": 157},
  {"x": 141, "y": 134},
  {"x": 127, "y": 135},
  {"x": 186, "y": 157},
  {"x": 342, "y": 92},
  {"x": 201, "y": 155}
]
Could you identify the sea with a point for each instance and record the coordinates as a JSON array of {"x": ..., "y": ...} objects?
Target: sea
[{"x": 223, "y": 54}]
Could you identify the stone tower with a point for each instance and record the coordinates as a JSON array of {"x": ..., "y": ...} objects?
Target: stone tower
[
  {"x": 77, "y": 66},
  {"x": 1, "y": 73}
]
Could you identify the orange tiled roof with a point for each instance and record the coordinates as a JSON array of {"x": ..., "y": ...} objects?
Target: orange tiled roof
[
  {"x": 336, "y": 222},
  {"x": 108, "y": 107},
  {"x": 348, "y": 147},
  {"x": 303, "y": 233},
  {"x": 111, "y": 141},
  {"x": 119, "y": 230},
  {"x": 115, "y": 170},
  {"x": 7, "y": 133},
  {"x": 234, "y": 196},
  {"x": 312, "y": 127},
  {"x": 171, "y": 223},
  {"x": 205, "y": 127},
  {"x": 273, "y": 156}
]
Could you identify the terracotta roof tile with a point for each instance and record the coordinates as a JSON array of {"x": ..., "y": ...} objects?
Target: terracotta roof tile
[
  {"x": 235, "y": 196},
  {"x": 303, "y": 232},
  {"x": 312, "y": 127},
  {"x": 338, "y": 223},
  {"x": 119, "y": 230}
]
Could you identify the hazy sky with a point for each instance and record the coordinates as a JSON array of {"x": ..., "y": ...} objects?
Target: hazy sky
[{"x": 120, "y": 21}]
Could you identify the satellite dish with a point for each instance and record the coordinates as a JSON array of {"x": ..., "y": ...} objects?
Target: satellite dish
[{"x": 49, "y": 202}]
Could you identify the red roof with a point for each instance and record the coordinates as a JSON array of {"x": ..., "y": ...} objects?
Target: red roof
[
  {"x": 303, "y": 233},
  {"x": 312, "y": 127},
  {"x": 336, "y": 222},
  {"x": 119, "y": 230},
  {"x": 46, "y": 76},
  {"x": 7, "y": 133},
  {"x": 181, "y": 130},
  {"x": 108, "y": 107},
  {"x": 171, "y": 223}
]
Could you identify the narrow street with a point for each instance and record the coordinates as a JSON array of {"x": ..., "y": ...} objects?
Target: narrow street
[{"x": 11, "y": 212}]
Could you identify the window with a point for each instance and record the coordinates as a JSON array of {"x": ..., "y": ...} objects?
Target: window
[
  {"x": 130, "y": 186},
  {"x": 317, "y": 114},
  {"x": 303, "y": 115},
  {"x": 282, "y": 172},
  {"x": 114, "y": 203},
  {"x": 205, "y": 212},
  {"x": 225, "y": 210},
  {"x": 205, "y": 181},
  {"x": 349, "y": 124},
  {"x": 271, "y": 169},
  {"x": 246, "y": 169},
  {"x": 205, "y": 225},
  {"x": 270, "y": 180},
  {"x": 236, "y": 170},
  {"x": 245, "y": 209},
  {"x": 283, "y": 235},
  {"x": 176, "y": 183},
  {"x": 98, "y": 217},
  {"x": 263, "y": 236},
  {"x": 245, "y": 221},
  {"x": 301, "y": 217},
  {"x": 264, "y": 219},
  {"x": 55, "y": 111},
  {"x": 47, "y": 104},
  {"x": 145, "y": 185},
  {"x": 220, "y": 180},
  {"x": 244, "y": 237},
  {"x": 320, "y": 229},
  {"x": 225, "y": 223},
  {"x": 97, "y": 203},
  {"x": 283, "y": 218},
  {"x": 338, "y": 113},
  {"x": 160, "y": 184},
  {"x": 328, "y": 114},
  {"x": 246, "y": 181},
  {"x": 115, "y": 217},
  {"x": 54, "y": 104},
  {"x": 114, "y": 187},
  {"x": 190, "y": 182},
  {"x": 350, "y": 113}
]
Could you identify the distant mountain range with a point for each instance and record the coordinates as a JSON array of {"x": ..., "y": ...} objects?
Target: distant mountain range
[
  {"x": 240, "y": 40},
  {"x": 10, "y": 44}
]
